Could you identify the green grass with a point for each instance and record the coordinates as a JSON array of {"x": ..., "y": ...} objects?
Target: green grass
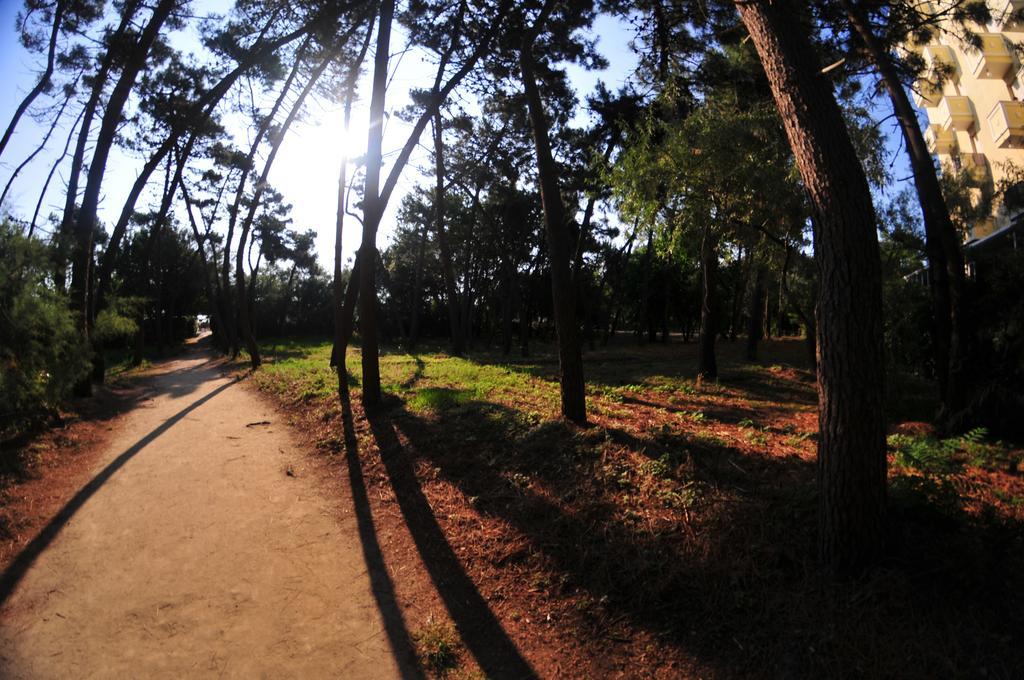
[
  {"x": 424, "y": 382},
  {"x": 437, "y": 645}
]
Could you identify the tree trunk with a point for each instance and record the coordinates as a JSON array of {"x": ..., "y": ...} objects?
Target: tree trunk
[
  {"x": 942, "y": 245},
  {"x": 209, "y": 277},
  {"x": 447, "y": 270},
  {"x": 99, "y": 83},
  {"x": 261, "y": 132},
  {"x": 44, "y": 79},
  {"x": 244, "y": 318},
  {"x": 707, "y": 363},
  {"x": 85, "y": 225},
  {"x": 341, "y": 321},
  {"x": 755, "y": 308},
  {"x": 851, "y": 445},
  {"x": 345, "y": 300},
  {"x": 417, "y": 291},
  {"x": 372, "y": 211},
  {"x": 53, "y": 171},
  {"x": 39, "y": 148},
  {"x": 570, "y": 358},
  {"x": 508, "y": 286}
]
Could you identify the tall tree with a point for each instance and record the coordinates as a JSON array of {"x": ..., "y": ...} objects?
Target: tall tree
[
  {"x": 942, "y": 243},
  {"x": 59, "y": 16},
  {"x": 448, "y": 272},
  {"x": 851, "y": 445},
  {"x": 471, "y": 46},
  {"x": 570, "y": 357},
  {"x": 85, "y": 224}
]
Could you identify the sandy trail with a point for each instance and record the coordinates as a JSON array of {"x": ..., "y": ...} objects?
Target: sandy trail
[{"x": 193, "y": 553}]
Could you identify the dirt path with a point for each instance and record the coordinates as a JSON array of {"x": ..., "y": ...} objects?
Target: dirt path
[{"x": 198, "y": 549}]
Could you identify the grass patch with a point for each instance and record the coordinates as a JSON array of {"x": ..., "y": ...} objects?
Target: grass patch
[{"x": 437, "y": 647}]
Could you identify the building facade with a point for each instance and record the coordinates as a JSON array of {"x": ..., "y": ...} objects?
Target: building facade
[{"x": 974, "y": 99}]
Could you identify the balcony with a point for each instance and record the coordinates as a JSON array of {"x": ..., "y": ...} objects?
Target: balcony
[
  {"x": 939, "y": 140},
  {"x": 941, "y": 66},
  {"x": 1017, "y": 86},
  {"x": 976, "y": 167},
  {"x": 926, "y": 93},
  {"x": 994, "y": 59},
  {"x": 942, "y": 63},
  {"x": 1006, "y": 122},
  {"x": 956, "y": 113},
  {"x": 1003, "y": 14}
]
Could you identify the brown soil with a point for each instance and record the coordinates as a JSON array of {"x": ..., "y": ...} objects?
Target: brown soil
[
  {"x": 197, "y": 543},
  {"x": 558, "y": 551}
]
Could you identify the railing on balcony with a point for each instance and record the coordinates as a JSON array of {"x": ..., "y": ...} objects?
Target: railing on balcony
[
  {"x": 994, "y": 59},
  {"x": 940, "y": 140},
  {"x": 956, "y": 113},
  {"x": 1006, "y": 122}
]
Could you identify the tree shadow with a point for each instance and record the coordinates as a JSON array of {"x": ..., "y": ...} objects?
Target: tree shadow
[
  {"x": 380, "y": 581},
  {"x": 736, "y": 585},
  {"x": 14, "y": 573},
  {"x": 479, "y": 628}
]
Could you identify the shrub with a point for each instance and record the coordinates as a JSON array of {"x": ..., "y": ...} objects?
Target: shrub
[{"x": 42, "y": 355}]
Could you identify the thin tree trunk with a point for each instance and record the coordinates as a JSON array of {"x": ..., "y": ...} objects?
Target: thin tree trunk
[
  {"x": 648, "y": 277},
  {"x": 942, "y": 245},
  {"x": 67, "y": 222},
  {"x": 341, "y": 321},
  {"x": 37, "y": 150},
  {"x": 372, "y": 212},
  {"x": 244, "y": 321},
  {"x": 613, "y": 317},
  {"x": 851, "y": 445},
  {"x": 508, "y": 285},
  {"x": 570, "y": 358},
  {"x": 44, "y": 79},
  {"x": 261, "y": 132},
  {"x": 53, "y": 171},
  {"x": 85, "y": 225},
  {"x": 286, "y": 300},
  {"x": 755, "y": 308},
  {"x": 417, "y": 290},
  {"x": 707, "y": 364},
  {"x": 448, "y": 272},
  {"x": 737, "y": 295}
]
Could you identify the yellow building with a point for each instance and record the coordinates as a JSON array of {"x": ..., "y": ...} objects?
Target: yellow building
[{"x": 975, "y": 104}]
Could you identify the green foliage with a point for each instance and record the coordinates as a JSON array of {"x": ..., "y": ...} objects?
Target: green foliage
[
  {"x": 42, "y": 355},
  {"x": 117, "y": 321},
  {"x": 437, "y": 645},
  {"x": 944, "y": 457},
  {"x": 905, "y": 297},
  {"x": 924, "y": 454}
]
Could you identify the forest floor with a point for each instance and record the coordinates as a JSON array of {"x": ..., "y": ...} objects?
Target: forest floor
[
  {"x": 179, "y": 531},
  {"x": 674, "y": 536},
  {"x": 464, "y": 531}
]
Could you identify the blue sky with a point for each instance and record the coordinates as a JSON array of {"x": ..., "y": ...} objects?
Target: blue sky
[{"x": 306, "y": 171}]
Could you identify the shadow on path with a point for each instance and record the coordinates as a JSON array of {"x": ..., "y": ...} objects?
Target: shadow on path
[
  {"x": 380, "y": 582},
  {"x": 10, "y": 579}
]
